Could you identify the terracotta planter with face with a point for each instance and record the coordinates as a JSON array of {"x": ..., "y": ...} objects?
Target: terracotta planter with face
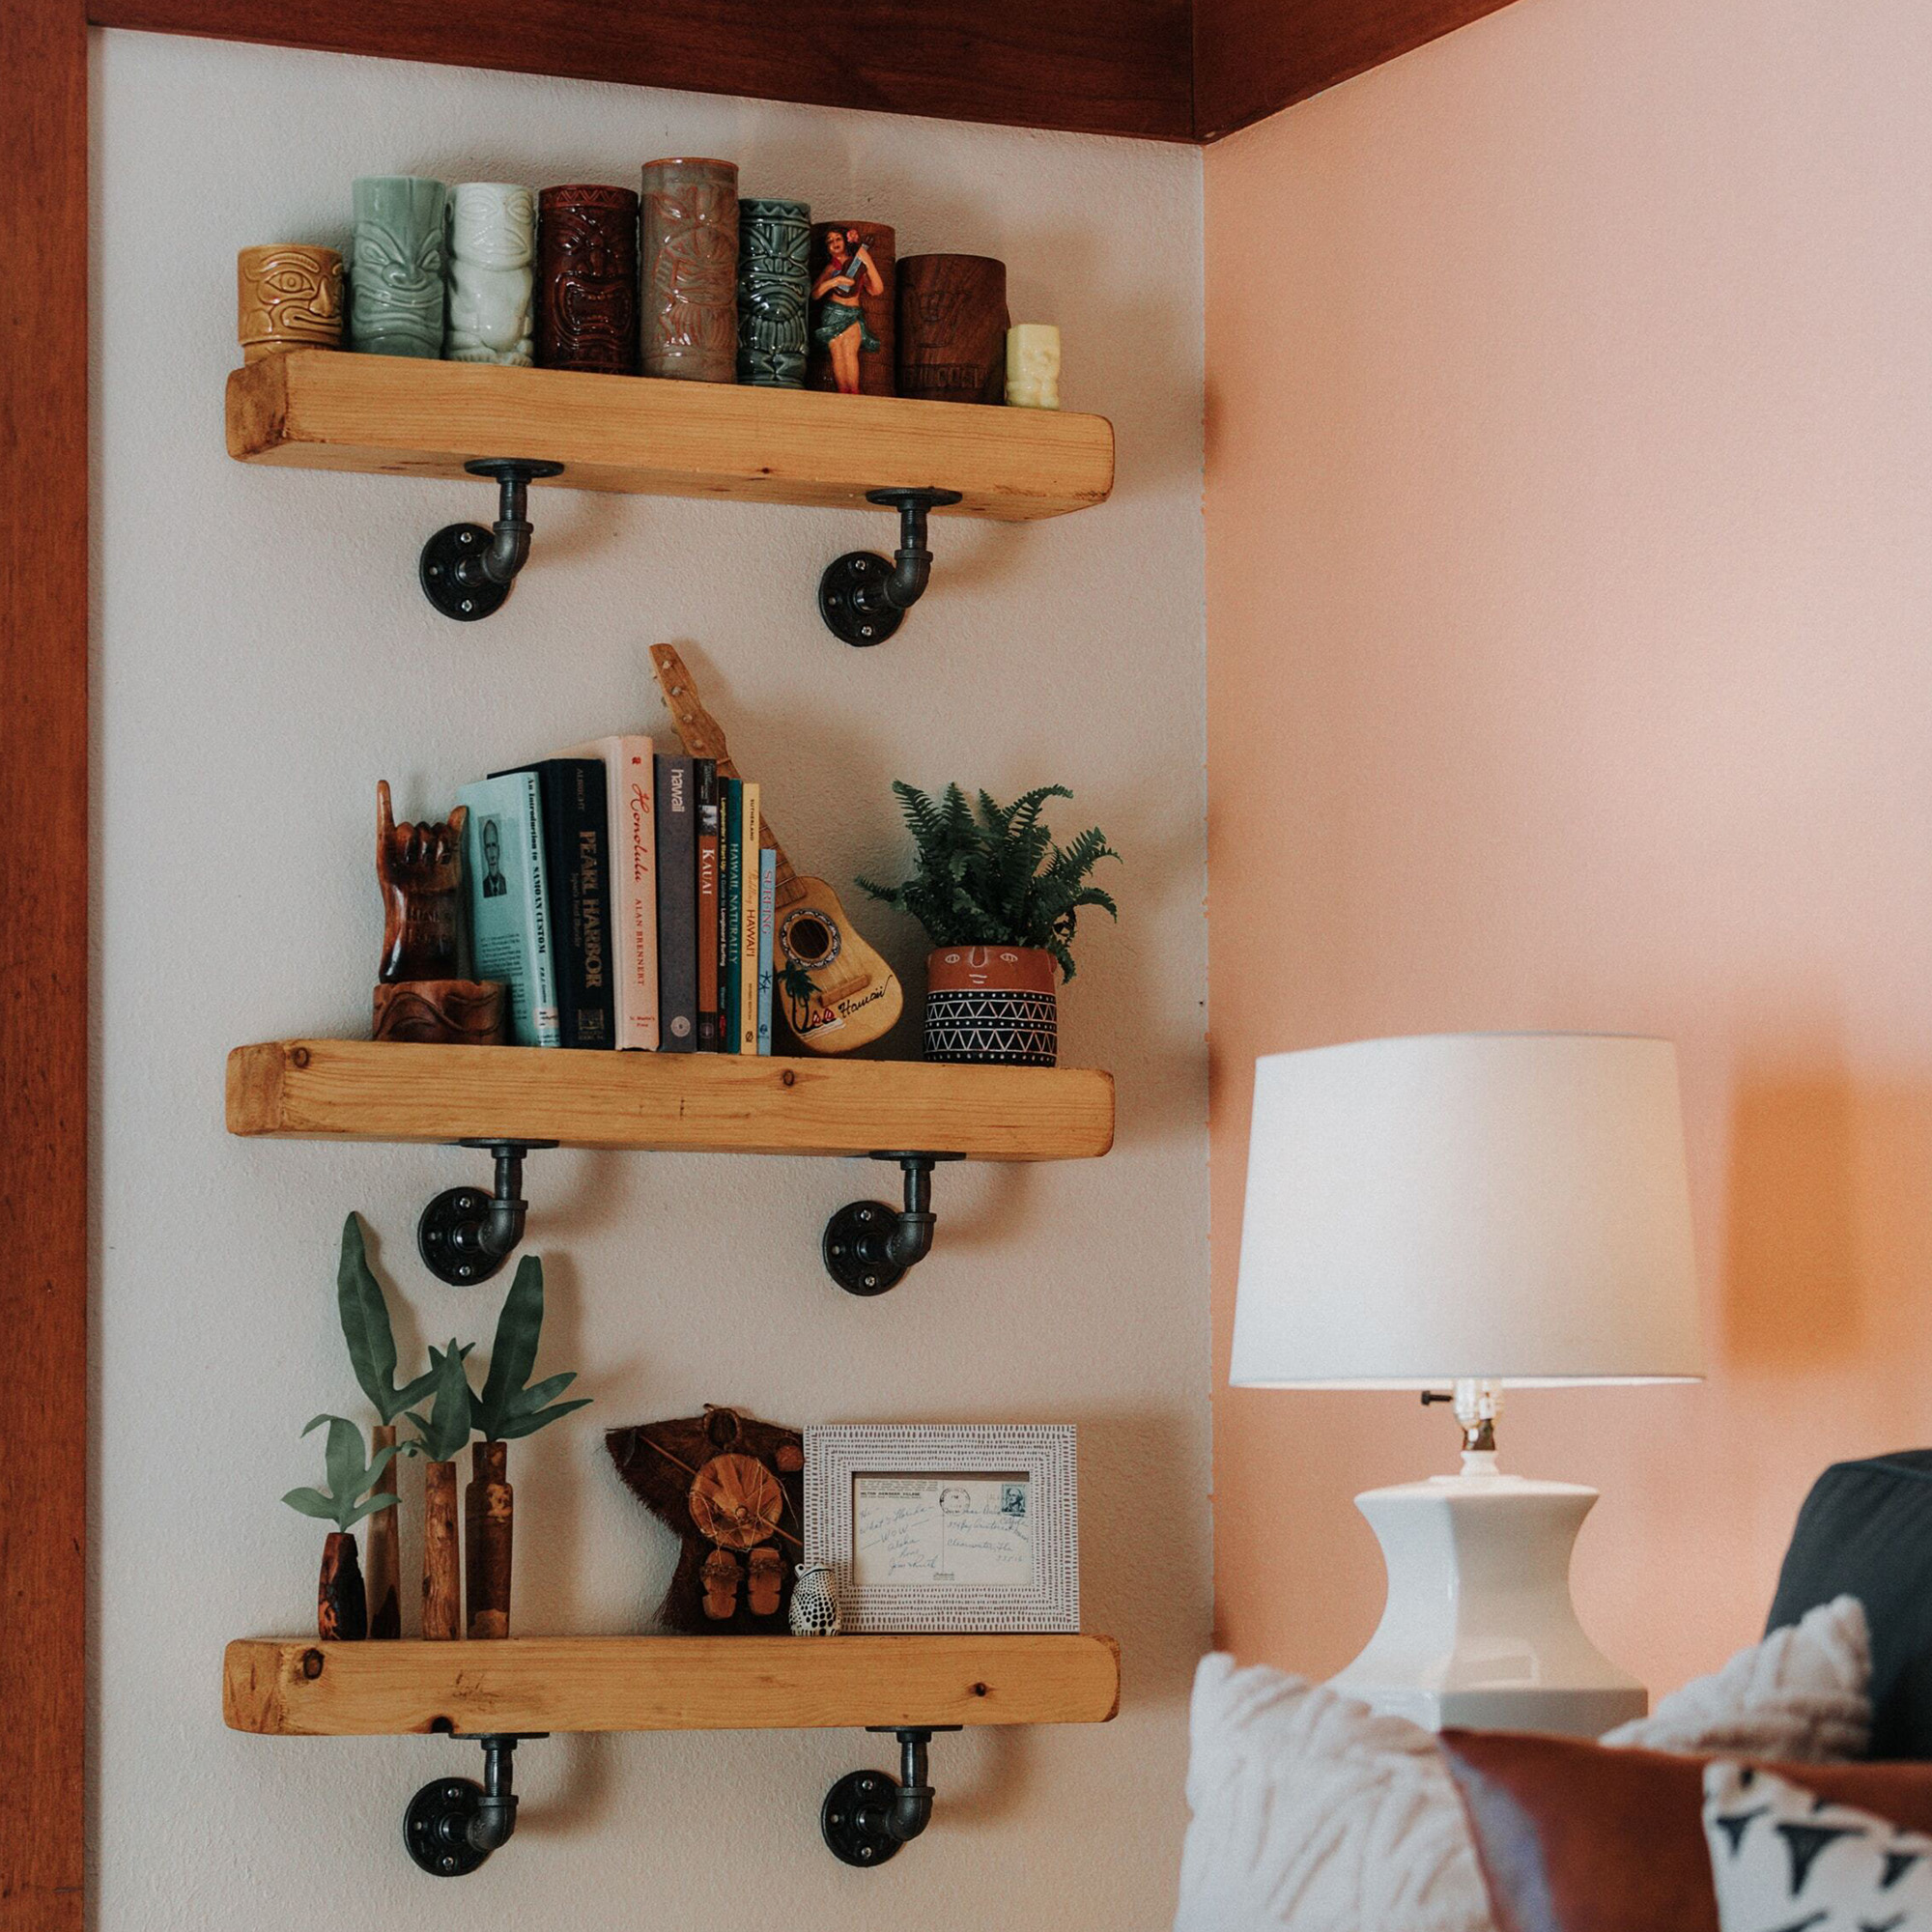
[{"x": 991, "y": 1006}]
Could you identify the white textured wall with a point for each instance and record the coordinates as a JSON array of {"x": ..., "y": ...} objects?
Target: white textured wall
[{"x": 263, "y": 658}]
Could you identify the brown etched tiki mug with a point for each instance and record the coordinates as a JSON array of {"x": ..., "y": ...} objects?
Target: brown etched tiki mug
[
  {"x": 952, "y": 329},
  {"x": 586, "y": 292},
  {"x": 690, "y": 271},
  {"x": 288, "y": 295}
]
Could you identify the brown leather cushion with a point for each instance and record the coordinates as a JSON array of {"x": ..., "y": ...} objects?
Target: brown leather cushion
[{"x": 1573, "y": 1837}]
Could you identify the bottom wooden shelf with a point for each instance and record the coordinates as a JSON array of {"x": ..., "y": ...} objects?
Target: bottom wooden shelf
[{"x": 289, "y": 1687}]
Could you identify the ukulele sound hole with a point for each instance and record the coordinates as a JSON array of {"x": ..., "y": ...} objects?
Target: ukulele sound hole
[{"x": 810, "y": 939}]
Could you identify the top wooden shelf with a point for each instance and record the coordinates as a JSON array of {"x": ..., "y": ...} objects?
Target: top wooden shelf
[{"x": 318, "y": 409}]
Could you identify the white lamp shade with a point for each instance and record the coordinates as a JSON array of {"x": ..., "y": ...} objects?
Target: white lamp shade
[{"x": 1510, "y": 1206}]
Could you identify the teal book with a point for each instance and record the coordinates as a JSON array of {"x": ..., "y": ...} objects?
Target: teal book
[
  {"x": 510, "y": 937},
  {"x": 768, "y": 906},
  {"x": 731, "y": 800}
]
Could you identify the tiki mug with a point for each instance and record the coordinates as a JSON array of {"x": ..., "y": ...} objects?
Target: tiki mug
[
  {"x": 395, "y": 267},
  {"x": 1033, "y": 366},
  {"x": 493, "y": 238},
  {"x": 690, "y": 271},
  {"x": 587, "y": 279},
  {"x": 853, "y": 327},
  {"x": 288, "y": 297},
  {"x": 774, "y": 285},
  {"x": 952, "y": 329}
]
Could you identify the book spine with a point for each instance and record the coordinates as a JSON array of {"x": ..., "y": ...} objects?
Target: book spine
[
  {"x": 575, "y": 828},
  {"x": 731, "y": 910},
  {"x": 747, "y": 926},
  {"x": 768, "y": 907},
  {"x": 677, "y": 904},
  {"x": 704, "y": 778},
  {"x": 634, "y": 889},
  {"x": 546, "y": 1020}
]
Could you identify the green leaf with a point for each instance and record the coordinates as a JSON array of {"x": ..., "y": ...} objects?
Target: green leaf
[
  {"x": 366, "y": 1329},
  {"x": 311, "y": 1503},
  {"x": 350, "y": 1477},
  {"x": 519, "y": 1425},
  {"x": 442, "y": 1431},
  {"x": 507, "y": 1408}
]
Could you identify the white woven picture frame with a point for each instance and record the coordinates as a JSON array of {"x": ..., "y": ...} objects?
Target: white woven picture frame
[{"x": 836, "y": 1453}]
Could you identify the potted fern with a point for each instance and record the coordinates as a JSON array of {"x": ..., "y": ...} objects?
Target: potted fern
[
  {"x": 999, "y": 900},
  {"x": 341, "y": 1603}
]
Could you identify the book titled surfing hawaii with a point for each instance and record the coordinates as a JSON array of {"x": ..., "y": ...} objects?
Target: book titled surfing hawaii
[
  {"x": 630, "y": 807},
  {"x": 575, "y": 846},
  {"x": 768, "y": 906},
  {"x": 509, "y": 913}
]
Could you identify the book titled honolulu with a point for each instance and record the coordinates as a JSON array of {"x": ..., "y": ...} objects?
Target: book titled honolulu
[{"x": 509, "y": 909}]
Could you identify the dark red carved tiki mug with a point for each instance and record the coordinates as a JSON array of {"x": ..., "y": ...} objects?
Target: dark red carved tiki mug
[
  {"x": 690, "y": 271},
  {"x": 587, "y": 279},
  {"x": 952, "y": 329}
]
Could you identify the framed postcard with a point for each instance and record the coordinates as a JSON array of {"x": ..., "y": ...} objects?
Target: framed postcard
[{"x": 945, "y": 1526}]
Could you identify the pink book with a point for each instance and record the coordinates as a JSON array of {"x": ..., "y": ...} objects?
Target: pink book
[{"x": 629, "y": 776}]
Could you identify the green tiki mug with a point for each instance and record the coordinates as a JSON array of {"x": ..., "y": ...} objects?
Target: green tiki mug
[
  {"x": 774, "y": 288},
  {"x": 396, "y": 265}
]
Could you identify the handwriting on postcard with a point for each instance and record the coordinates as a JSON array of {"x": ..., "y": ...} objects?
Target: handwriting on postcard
[{"x": 944, "y": 1532}]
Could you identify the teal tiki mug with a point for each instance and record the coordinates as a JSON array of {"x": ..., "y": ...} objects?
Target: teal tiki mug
[
  {"x": 774, "y": 287},
  {"x": 395, "y": 270}
]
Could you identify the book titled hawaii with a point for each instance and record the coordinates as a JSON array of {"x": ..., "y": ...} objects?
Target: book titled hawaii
[
  {"x": 677, "y": 903},
  {"x": 509, "y": 911},
  {"x": 630, "y": 807}
]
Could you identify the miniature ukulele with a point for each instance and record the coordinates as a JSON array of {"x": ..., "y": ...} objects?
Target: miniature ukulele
[{"x": 834, "y": 991}]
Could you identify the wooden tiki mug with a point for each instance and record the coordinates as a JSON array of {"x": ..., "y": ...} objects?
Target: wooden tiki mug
[
  {"x": 991, "y": 1006},
  {"x": 288, "y": 295},
  {"x": 341, "y": 1607},
  {"x": 774, "y": 291},
  {"x": 690, "y": 271},
  {"x": 488, "y": 1503},
  {"x": 492, "y": 246},
  {"x": 952, "y": 329},
  {"x": 587, "y": 279},
  {"x": 442, "y": 1574},
  {"x": 381, "y": 1579},
  {"x": 854, "y": 323},
  {"x": 395, "y": 266}
]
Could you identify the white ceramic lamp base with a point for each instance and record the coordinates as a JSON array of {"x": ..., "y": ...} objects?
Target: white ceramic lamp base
[{"x": 1478, "y": 1630}]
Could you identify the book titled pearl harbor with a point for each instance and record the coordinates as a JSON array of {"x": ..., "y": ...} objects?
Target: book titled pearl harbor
[{"x": 509, "y": 915}]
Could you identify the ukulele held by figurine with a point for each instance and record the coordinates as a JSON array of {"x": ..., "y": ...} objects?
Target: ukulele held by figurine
[{"x": 834, "y": 991}]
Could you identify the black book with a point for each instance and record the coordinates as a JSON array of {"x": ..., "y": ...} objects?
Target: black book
[
  {"x": 576, "y": 857},
  {"x": 710, "y": 902},
  {"x": 677, "y": 903}
]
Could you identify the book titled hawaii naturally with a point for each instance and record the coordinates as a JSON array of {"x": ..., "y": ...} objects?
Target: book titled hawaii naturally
[{"x": 509, "y": 909}]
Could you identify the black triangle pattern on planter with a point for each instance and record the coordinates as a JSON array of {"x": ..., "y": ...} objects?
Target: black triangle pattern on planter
[{"x": 992, "y": 1029}]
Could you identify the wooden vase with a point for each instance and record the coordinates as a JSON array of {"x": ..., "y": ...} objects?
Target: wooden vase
[
  {"x": 586, "y": 286},
  {"x": 442, "y": 1577},
  {"x": 489, "y": 1504},
  {"x": 341, "y": 1604},
  {"x": 952, "y": 329},
  {"x": 690, "y": 319},
  {"x": 381, "y": 1581},
  {"x": 444, "y": 1012},
  {"x": 852, "y": 348},
  {"x": 991, "y": 1006}
]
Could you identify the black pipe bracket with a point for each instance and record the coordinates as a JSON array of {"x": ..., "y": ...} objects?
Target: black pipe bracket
[
  {"x": 868, "y": 1246},
  {"x": 861, "y": 596},
  {"x": 464, "y": 1236},
  {"x": 868, "y": 1815},
  {"x": 453, "y": 1824},
  {"x": 467, "y": 571}
]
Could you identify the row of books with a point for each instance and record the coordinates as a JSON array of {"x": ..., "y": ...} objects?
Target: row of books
[{"x": 624, "y": 897}]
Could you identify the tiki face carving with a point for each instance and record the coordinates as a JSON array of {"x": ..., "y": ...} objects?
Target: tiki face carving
[
  {"x": 691, "y": 269},
  {"x": 396, "y": 279},
  {"x": 492, "y": 232},
  {"x": 492, "y": 225},
  {"x": 288, "y": 297},
  {"x": 587, "y": 280}
]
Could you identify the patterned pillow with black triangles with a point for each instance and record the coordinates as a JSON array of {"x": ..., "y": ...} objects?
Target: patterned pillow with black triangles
[{"x": 1787, "y": 1861}]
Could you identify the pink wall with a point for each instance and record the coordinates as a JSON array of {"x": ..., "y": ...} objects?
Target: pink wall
[{"x": 1570, "y": 617}]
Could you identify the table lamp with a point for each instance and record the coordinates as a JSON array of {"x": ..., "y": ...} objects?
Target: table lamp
[{"x": 1465, "y": 1213}]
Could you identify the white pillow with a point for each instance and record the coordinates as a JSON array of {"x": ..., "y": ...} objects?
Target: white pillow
[
  {"x": 1784, "y": 1861},
  {"x": 1312, "y": 1812}
]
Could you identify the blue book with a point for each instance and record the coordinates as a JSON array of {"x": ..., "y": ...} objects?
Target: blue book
[
  {"x": 768, "y": 905},
  {"x": 508, "y": 896}
]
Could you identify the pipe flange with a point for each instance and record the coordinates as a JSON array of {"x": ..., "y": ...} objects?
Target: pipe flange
[
  {"x": 446, "y": 1238},
  {"x": 853, "y": 1248},
  {"x": 436, "y": 571},
  {"x": 436, "y": 1827},
  {"x": 850, "y": 599},
  {"x": 855, "y": 1816}
]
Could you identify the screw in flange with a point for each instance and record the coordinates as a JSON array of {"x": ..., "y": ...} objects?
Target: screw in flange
[
  {"x": 436, "y": 1825},
  {"x": 852, "y": 1818},
  {"x": 850, "y": 1248},
  {"x": 436, "y": 1237}
]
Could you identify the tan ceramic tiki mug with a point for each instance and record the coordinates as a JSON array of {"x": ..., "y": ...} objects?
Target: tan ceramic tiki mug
[
  {"x": 288, "y": 295},
  {"x": 690, "y": 271}
]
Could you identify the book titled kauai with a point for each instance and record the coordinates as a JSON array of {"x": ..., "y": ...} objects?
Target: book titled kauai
[
  {"x": 704, "y": 780},
  {"x": 747, "y": 920},
  {"x": 768, "y": 906},
  {"x": 677, "y": 904},
  {"x": 730, "y": 907},
  {"x": 630, "y": 795},
  {"x": 576, "y": 862},
  {"x": 509, "y": 914}
]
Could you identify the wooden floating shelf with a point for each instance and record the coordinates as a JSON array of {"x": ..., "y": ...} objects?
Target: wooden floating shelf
[
  {"x": 289, "y": 1687},
  {"x": 671, "y": 1103},
  {"x": 399, "y": 416}
]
